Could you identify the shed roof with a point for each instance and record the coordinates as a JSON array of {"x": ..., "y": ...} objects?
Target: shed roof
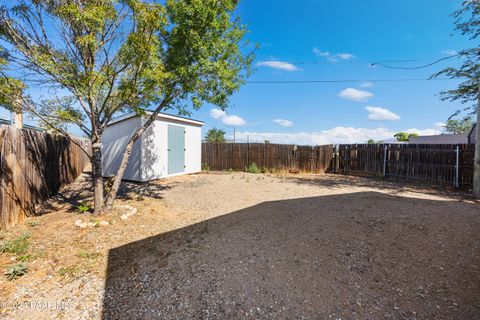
[
  {"x": 160, "y": 116},
  {"x": 24, "y": 126}
]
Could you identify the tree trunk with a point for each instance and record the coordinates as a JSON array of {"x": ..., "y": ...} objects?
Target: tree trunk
[
  {"x": 97, "y": 176},
  {"x": 476, "y": 164},
  {"x": 112, "y": 195},
  {"x": 18, "y": 120}
]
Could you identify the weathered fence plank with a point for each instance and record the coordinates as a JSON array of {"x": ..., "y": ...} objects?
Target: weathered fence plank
[
  {"x": 33, "y": 167},
  {"x": 238, "y": 156},
  {"x": 432, "y": 163},
  {"x": 435, "y": 163}
]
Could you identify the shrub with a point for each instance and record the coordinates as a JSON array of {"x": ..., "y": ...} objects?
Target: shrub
[
  {"x": 88, "y": 255},
  {"x": 205, "y": 167},
  {"x": 16, "y": 246},
  {"x": 33, "y": 223},
  {"x": 84, "y": 207},
  {"x": 24, "y": 258},
  {"x": 14, "y": 271},
  {"x": 253, "y": 168},
  {"x": 108, "y": 184},
  {"x": 69, "y": 272}
]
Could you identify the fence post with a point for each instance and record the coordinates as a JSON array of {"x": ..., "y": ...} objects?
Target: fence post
[
  {"x": 345, "y": 165},
  {"x": 335, "y": 158},
  {"x": 385, "y": 161},
  {"x": 457, "y": 166},
  {"x": 248, "y": 151}
]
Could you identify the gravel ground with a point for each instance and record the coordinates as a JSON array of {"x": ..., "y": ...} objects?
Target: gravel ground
[{"x": 238, "y": 246}]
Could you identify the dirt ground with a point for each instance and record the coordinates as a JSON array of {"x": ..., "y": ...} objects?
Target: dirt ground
[{"x": 246, "y": 246}]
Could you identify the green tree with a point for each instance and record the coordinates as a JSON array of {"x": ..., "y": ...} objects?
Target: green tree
[
  {"x": 404, "y": 136},
  {"x": 467, "y": 22},
  {"x": 9, "y": 86},
  {"x": 215, "y": 135},
  {"x": 371, "y": 141},
  {"x": 456, "y": 126},
  {"x": 102, "y": 58}
]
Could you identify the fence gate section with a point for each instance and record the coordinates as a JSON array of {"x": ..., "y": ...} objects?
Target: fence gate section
[{"x": 444, "y": 164}]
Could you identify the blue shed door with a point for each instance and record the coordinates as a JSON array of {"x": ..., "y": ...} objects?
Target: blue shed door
[{"x": 176, "y": 149}]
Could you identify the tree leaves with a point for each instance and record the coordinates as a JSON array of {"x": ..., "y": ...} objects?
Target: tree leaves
[
  {"x": 215, "y": 135},
  {"x": 467, "y": 21}
]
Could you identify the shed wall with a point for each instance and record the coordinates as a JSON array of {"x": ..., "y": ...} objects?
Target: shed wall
[
  {"x": 115, "y": 139},
  {"x": 193, "y": 152},
  {"x": 154, "y": 148},
  {"x": 149, "y": 158}
]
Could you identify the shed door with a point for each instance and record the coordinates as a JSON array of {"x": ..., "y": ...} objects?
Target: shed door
[{"x": 176, "y": 149}]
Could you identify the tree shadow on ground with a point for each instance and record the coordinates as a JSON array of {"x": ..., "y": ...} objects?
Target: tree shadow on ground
[
  {"x": 81, "y": 192},
  {"x": 363, "y": 255},
  {"x": 132, "y": 190}
]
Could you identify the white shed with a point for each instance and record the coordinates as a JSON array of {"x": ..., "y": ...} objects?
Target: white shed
[{"x": 171, "y": 146}]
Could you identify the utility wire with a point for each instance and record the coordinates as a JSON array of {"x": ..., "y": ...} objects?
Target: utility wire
[
  {"x": 413, "y": 68},
  {"x": 345, "y": 81},
  {"x": 358, "y": 61},
  {"x": 370, "y": 80}
]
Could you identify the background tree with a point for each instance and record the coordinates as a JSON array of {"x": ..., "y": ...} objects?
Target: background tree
[
  {"x": 404, "y": 136},
  {"x": 457, "y": 126},
  {"x": 102, "y": 58},
  {"x": 9, "y": 86},
  {"x": 467, "y": 22},
  {"x": 215, "y": 135}
]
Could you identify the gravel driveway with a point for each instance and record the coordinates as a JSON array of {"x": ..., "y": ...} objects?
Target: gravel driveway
[{"x": 328, "y": 247}]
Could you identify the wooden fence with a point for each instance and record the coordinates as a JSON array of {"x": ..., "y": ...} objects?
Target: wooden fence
[
  {"x": 443, "y": 164},
  {"x": 448, "y": 165},
  {"x": 280, "y": 157},
  {"x": 33, "y": 167}
]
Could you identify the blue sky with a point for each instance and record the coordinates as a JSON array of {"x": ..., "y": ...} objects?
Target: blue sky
[{"x": 338, "y": 40}]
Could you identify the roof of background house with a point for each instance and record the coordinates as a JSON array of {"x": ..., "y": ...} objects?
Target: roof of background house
[
  {"x": 161, "y": 115},
  {"x": 25, "y": 126},
  {"x": 440, "y": 139}
]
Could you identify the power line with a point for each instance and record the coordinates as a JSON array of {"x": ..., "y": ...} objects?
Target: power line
[
  {"x": 413, "y": 68},
  {"x": 346, "y": 81},
  {"x": 360, "y": 61}
]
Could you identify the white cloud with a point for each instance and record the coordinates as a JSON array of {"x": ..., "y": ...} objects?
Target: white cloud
[
  {"x": 234, "y": 120},
  {"x": 367, "y": 85},
  {"x": 330, "y": 136},
  {"x": 345, "y": 56},
  {"x": 450, "y": 52},
  {"x": 217, "y": 113},
  {"x": 320, "y": 53},
  {"x": 355, "y": 94},
  {"x": 280, "y": 65},
  {"x": 283, "y": 122},
  {"x": 424, "y": 132},
  {"x": 376, "y": 113},
  {"x": 440, "y": 125},
  {"x": 332, "y": 57}
]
